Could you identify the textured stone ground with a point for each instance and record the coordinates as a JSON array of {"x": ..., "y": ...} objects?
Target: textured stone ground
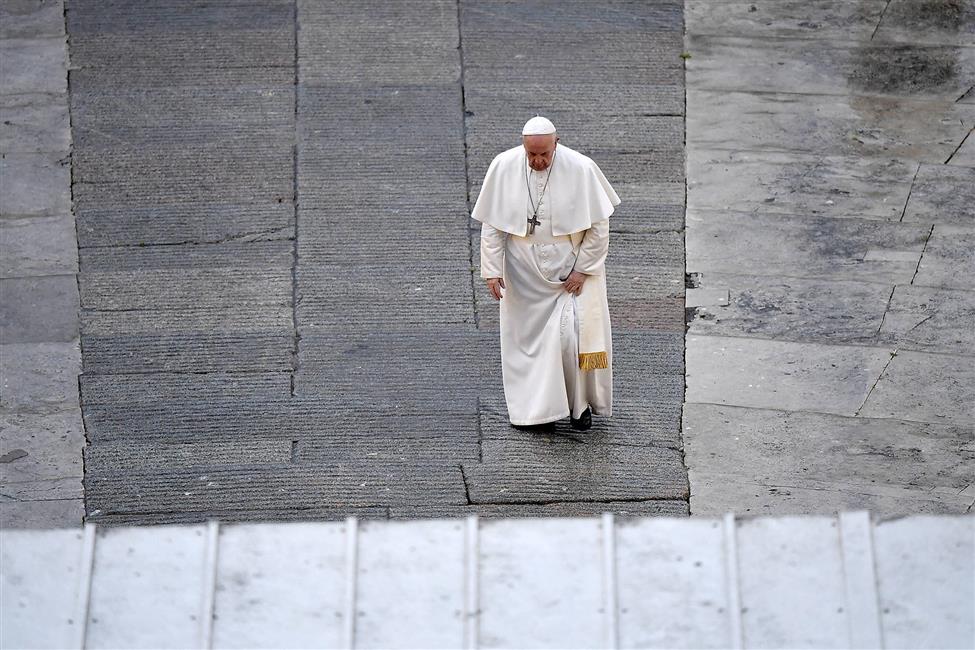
[
  {"x": 41, "y": 430},
  {"x": 281, "y": 312},
  {"x": 830, "y": 238}
]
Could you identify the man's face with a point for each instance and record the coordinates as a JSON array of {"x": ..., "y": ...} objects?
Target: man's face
[{"x": 540, "y": 150}]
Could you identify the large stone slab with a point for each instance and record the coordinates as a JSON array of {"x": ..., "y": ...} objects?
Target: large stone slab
[
  {"x": 107, "y": 217},
  {"x": 948, "y": 259},
  {"x": 35, "y": 185},
  {"x": 570, "y": 18},
  {"x": 820, "y": 19},
  {"x": 778, "y": 461},
  {"x": 791, "y": 309},
  {"x": 807, "y": 247},
  {"x": 31, "y": 19},
  {"x": 38, "y": 246},
  {"x": 536, "y": 471},
  {"x": 933, "y": 22},
  {"x": 39, "y": 377},
  {"x": 656, "y": 507},
  {"x": 926, "y": 388},
  {"x": 782, "y": 375},
  {"x": 933, "y": 320},
  {"x": 33, "y": 65},
  {"x": 927, "y": 131},
  {"x": 189, "y": 351},
  {"x": 943, "y": 194},
  {"x": 40, "y": 308},
  {"x": 38, "y": 448},
  {"x": 37, "y": 515},
  {"x": 363, "y": 484},
  {"x": 798, "y": 183},
  {"x": 801, "y": 65},
  {"x": 333, "y": 37},
  {"x": 34, "y": 123},
  {"x": 184, "y": 289}
]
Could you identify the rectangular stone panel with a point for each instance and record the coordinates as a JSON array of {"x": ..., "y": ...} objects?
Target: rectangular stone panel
[
  {"x": 927, "y": 131},
  {"x": 820, "y": 19},
  {"x": 925, "y": 387},
  {"x": 135, "y": 390},
  {"x": 559, "y": 18},
  {"x": 583, "y": 99},
  {"x": 34, "y": 122},
  {"x": 821, "y": 248},
  {"x": 141, "y": 455},
  {"x": 636, "y": 423},
  {"x": 943, "y": 194},
  {"x": 109, "y": 215},
  {"x": 364, "y": 483},
  {"x": 39, "y": 377},
  {"x": 383, "y": 296},
  {"x": 948, "y": 260},
  {"x": 390, "y": 43},
  {"x": 234, "y": 254},
  {"x": 777, "y": 461},
  {"x": 933, "y": 320},
  {"x": 188, "y": 351},
  {"x": 41, "y": 308},
  {"x": 656, "y": 507},
  {"x": 184, "y": 289},
  {"x": 781, "y": 374},
  {"x": 535, "y": 471},
  {"x": 33, "y": 65},
  {"x": 820, "y": 66},
  {"x": 221, "y": 98},
  {"x": 35, "y": 185},
  {"x": 38, "y": 246},
  {"x": 913, "y": 22},
  {"x": 405, "y": 370},
  {"x": 26, "y": 19},
  {"x": 791, "y": 309},
  {"x": 797, "y": 183}
]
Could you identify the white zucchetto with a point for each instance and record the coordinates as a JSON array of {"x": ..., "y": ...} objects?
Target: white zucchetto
[{"x": 538, "y": 125}]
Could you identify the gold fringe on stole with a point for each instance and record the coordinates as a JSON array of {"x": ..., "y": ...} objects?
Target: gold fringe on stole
[{"x": 593, "y": 360}]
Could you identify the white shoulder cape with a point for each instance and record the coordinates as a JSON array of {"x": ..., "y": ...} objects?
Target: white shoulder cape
[{"x": 578, "y": 194}]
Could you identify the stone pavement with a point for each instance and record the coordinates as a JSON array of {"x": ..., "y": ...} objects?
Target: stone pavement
[
  {"x": 281, "y": 310},
  {"x": 830, "y": 238},
  {"x": 41, "y": 429}
]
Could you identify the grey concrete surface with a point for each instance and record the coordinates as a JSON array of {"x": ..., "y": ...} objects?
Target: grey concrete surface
[
  {"x": 279, "y": 290},
  {"x": 41, "y": 429},
  {"x": 829, "y": 233}
]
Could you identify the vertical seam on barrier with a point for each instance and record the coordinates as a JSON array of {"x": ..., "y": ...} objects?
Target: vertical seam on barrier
[
  {"x": 471, "y": 585},
  {"x": 351, "y": 576},
  {"x": 611, "y": 613},
  {"x": 209, "y": 584},
  {"x": 865, "y": 595},
  {"x": 83, "y": 601},
  {"x": 736, "y": 642}
]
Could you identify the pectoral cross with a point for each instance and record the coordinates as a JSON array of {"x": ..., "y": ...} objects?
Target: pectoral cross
[{"x": 532, "y": 223}]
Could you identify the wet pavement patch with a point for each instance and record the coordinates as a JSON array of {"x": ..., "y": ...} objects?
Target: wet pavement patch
[{"x": 903, "y": 69}]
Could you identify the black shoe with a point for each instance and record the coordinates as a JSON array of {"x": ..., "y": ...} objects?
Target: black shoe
[{"x": 584, "y": 422}]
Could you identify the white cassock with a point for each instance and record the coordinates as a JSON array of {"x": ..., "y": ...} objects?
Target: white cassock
[{"x": 556, "y": 348}]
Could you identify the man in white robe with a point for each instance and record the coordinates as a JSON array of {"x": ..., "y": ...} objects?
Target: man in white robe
[{"x": 544, "y": 211}]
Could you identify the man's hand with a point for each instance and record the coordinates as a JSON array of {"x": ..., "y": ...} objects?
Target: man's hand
[
  {"x": 573, "y": 283},
  {"x": 495, "y": 285}
]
